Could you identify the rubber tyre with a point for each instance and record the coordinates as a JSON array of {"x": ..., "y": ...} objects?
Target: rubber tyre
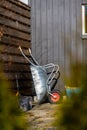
[{"x": 58, "y": 97}]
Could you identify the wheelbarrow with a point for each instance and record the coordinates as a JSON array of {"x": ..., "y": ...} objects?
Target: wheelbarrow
[{"x": 44, "y": 78}]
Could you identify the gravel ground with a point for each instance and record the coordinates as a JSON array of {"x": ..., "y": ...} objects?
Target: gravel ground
[{"x": 41, "y": 117}]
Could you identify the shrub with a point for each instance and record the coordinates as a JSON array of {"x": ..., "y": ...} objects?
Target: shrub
[
  {"x": 11, "y": 117},
  {"x": 73, "y": 113}
]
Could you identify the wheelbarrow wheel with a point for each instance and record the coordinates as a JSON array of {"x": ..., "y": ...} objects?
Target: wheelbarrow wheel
[{"x": 55, "y": 97}]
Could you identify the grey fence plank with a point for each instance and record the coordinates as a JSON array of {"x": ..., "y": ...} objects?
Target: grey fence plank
[
  {"x": 62, "y": 34},
  {"x": 79, "y": 31},
  {"x": 55, "y": 31},
  {"x": 67, "y": 36},
  {"x": 50, "y": 29},
  {"x": 38, "y": 45},
  {"x": 44, "y": 31},
  {"x": 73, "y": 28},
  {"x": 33, "y": 26},
  {"x": 61, "y": 31}
]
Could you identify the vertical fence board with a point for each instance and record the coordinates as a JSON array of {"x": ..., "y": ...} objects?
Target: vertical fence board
[
  {"x": 55, "y": 31},
  {"x": 44, "y": 31},
  {"x": 67, "y": 40},
  {"x": 33, "y": 29},
  {"x": 79, "y": 31},
  {"x": 38, "y": 44},
  {"x": 73, "y": 29},
  {"x": 50, "y": 29}
]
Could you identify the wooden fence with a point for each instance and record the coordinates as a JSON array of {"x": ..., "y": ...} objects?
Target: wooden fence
[{"x": 15, "y": 31}]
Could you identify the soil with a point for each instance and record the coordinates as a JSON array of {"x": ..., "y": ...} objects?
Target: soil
[{"x": 41, "y": 117}]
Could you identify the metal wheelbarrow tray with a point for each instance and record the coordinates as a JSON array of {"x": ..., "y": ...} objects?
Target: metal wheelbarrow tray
[{"x": 44, "y": 81}]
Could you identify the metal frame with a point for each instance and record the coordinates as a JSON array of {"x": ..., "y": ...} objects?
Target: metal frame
[{"x": 54, "y": 67}]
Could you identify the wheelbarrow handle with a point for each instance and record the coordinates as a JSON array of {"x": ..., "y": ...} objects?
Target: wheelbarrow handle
[
  {"x": 29, "y": 51},
  {"x": 25, "y": 56},
  {"x": 34, "y": 60}
]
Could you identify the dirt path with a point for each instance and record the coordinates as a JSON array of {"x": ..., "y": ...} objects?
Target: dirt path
[{"x": 42, "y": 116}]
